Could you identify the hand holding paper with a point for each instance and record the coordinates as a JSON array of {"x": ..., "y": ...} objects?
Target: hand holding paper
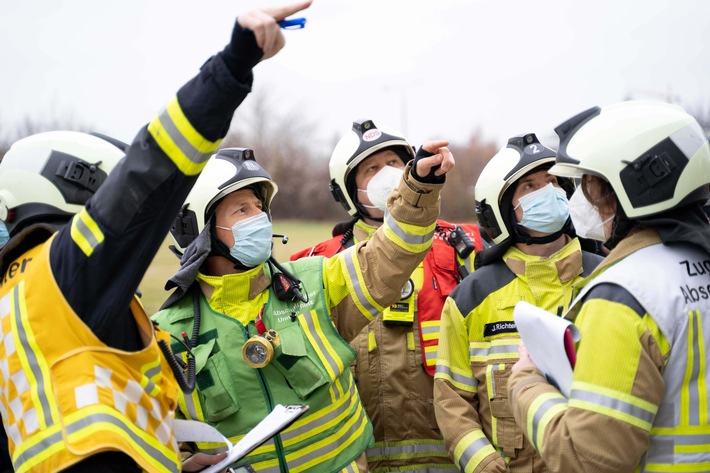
[
  {"x": 549, "y": 340},
  {"x": 195, "y": 431}
]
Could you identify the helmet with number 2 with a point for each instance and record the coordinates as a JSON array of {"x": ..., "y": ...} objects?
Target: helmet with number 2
[{"x": 494, "y": 189}]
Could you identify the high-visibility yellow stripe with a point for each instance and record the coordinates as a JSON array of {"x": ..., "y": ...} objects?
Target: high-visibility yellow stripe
[
  {"x": 41, "y": 363},
  {"x": 617, "y": 405},
  {"x": 491, "y": 395},
  {"x": 45, "y": 452},
  {"x": 703, "y": 467},
  {"x": 368, "y": 307},
  {"x": 180, "y": 141},
  {"x": 702, "y": 385},
  {"x": 412, "y": 238},
  {"x": 332, "y": 354},
  {"x": 494, "y": 350},
  {"x": 325, "y": 418},
  {"x": 540, "y": 413},
  {"x": 371, "y": 341},
  {"x": 685, "y": 388},
  {"x": 455, "y": 376},
  {"x": 151, "y": 377},
  {"x": 472, "y": 449},
  {"x": 85, "y": 232},
  {"x": 410, "y": 341},
  {"x": 328, "y": 446}
]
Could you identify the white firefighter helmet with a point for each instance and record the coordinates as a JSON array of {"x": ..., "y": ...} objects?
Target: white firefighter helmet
[
  {"x": 655, "y": 155},
  {"x": 495, "y": 185},
  {"x": 49, "y": 176},
  {"x": 362, "y": 141},
  {"x": 227, "y": 171}
]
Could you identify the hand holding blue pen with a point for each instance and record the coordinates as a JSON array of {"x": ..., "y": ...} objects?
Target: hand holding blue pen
[
  {"x": 292, "y": 23},
  {"x": 266, "y": 24}
]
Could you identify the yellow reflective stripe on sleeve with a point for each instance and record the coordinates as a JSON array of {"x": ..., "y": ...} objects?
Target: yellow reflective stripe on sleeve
[
  {"x": 85, "y": 232},
  {"x": 615, "y": 404},
  {"x": 430, "y": 330},
  {"x": 360, "y": 295},
  {"x": 471, "y": 450},
  {"x": 180, "y": 141},
  {"x": 410, "y": 341},
  {"x": 412, "y": 238},
  {"x": 371, "y": 341},
  {"x": 541, "y": 411},
  {"x": 462, "y": 381},
  {"x": 694, "y": 396},
  {"x": 494, "y": 350}
]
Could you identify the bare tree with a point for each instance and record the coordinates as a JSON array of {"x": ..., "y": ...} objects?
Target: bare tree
[
  {"x": 286, "y": 146},
  {"x": 457, "y": 199}
]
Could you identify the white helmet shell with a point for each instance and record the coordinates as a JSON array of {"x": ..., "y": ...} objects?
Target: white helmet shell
[
  {"x": 51, "y": 175},
  {"x": 362, "y": 141},
  {"x": 227, "y": 171},
  {"x": 654, "y": 155}
]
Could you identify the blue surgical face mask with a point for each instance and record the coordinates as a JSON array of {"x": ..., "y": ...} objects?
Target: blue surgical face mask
[
  {"x": 4, "y": 234},
  {"x": 546, "y": 210},
  {"x": 252, "y": 239}
]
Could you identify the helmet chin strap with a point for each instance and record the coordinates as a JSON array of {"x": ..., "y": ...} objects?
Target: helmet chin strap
[{"x": 363, "y": 213}]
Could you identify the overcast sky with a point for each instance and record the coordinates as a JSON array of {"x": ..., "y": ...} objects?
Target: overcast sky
[{"x": 431, "y": 68}]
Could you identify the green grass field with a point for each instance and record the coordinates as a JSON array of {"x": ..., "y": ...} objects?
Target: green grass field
[{"x": 301, "y": 233}]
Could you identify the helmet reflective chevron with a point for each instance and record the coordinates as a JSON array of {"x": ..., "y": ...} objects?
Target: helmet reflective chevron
[
  {"x": 655, "y": 155},
  {"x": 227, "y": 171},
  {"x": 361, "y": 142},
  {"x": 48, "y": 177},
  {"x": 494, "y": 189}
]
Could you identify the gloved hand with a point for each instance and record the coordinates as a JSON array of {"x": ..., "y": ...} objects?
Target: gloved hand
[{"x": 432, "y": 162}]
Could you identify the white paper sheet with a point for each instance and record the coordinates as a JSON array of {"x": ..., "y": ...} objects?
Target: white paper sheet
[
  {"x": 195, "y": 431},
  {"x": 543, "y": 334}
]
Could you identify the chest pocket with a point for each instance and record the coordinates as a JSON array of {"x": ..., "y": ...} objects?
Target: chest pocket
[
  {"x": 215, "y": 386},
  {"x": 292, "y": 360}
]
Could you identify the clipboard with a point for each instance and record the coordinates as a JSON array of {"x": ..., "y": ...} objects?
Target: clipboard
[
  {"x": 550, "y": 341},
  {"x": 277, "y": 420}
]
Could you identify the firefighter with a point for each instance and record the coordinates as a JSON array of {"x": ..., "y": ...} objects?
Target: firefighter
[
  {"x": 638, "y": 398},
  {"x": 267, "y": 333},
  {"x": 537, "y": 259},
  {"x": 85, "y": 385},
  {"x": 396, "y": 352}
]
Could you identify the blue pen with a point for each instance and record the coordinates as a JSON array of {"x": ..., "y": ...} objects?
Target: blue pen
[{"x": 293, "y": 23}]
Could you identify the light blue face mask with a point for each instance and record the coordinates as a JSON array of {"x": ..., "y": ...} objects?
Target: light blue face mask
[
  {"x": 252, "y": 240},
  {"x": 546, "y": 210},
  {"x": 4, "y": 234}
]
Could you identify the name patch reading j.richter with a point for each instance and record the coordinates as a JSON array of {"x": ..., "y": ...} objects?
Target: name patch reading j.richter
[{"x": 499, "y": 327}]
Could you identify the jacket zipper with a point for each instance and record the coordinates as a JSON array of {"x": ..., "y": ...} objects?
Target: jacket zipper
[{"x": 270, "y": 403}]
